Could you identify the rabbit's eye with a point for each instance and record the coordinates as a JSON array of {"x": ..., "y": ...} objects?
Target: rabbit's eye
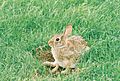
[{"x": 57, "y": 39}]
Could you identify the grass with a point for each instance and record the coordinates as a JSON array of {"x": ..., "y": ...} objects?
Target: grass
[{"x": 28, "y": 24}]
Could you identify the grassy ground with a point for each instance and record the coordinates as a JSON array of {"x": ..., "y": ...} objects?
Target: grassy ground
[{"x": 28, "y": 24}]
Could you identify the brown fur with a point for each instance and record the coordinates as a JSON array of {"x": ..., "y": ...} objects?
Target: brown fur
[{"x": 67, "y": 50}]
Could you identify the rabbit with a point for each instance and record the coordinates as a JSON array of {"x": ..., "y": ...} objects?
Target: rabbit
[{"x": 66, "y": 50}]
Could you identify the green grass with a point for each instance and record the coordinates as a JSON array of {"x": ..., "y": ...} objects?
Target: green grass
[{"x": 28, "y": 24}]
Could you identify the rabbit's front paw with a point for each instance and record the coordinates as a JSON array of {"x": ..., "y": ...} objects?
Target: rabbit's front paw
[{"x": 47, "y": 63}]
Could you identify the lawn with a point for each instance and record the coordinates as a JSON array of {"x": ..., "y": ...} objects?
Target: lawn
[{"x": 28, "y": 24}]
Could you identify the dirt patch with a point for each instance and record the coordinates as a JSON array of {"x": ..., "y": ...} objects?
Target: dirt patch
[{"x": 44, "y": 55}]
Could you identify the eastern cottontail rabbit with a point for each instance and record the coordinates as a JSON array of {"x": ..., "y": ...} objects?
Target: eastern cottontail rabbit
[{"x": 66, "y": 50}]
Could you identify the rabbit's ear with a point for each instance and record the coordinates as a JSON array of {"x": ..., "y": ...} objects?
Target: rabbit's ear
[{"x": 68, "y": 31}]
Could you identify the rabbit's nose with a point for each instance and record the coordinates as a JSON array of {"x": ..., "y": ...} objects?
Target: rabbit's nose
[{"x": 50, "y": 43}]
